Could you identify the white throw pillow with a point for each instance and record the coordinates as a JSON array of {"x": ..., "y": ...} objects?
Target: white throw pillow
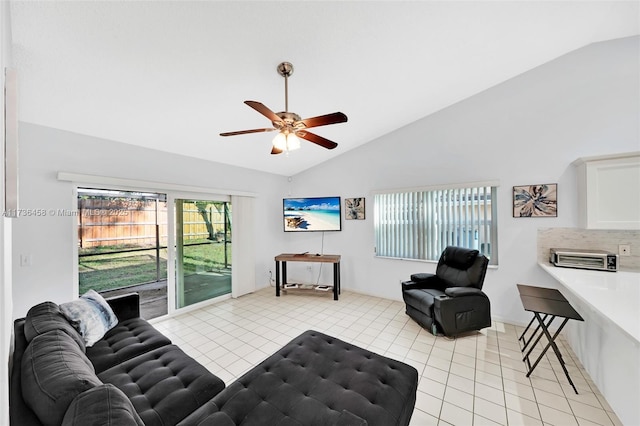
[{"x": 91, "y": 315}]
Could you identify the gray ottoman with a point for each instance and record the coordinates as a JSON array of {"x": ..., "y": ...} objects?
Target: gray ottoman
[{"x": 316, "y": 379}]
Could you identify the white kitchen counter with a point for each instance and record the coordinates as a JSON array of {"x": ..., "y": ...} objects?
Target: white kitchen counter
[
  {"x": 607, "y": 343},
  {"x": 615, "y": 295}
]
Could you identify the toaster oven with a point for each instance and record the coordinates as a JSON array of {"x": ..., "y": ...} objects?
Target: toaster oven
[{"x": 584, "y": 259}]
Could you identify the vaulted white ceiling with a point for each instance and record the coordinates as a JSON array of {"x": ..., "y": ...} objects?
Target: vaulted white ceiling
[{"x": 173, "y": 75}]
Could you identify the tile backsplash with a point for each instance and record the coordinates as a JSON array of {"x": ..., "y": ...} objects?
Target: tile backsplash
[{"x": 591, "y": 239}]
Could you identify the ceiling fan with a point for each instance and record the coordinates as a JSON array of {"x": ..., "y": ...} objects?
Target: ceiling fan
[{"x": 289, "y": 124}]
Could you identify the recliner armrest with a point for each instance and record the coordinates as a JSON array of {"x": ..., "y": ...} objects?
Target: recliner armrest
[
  {"x": 462, "y": 291},
  {"x": 431, "y": 281},
  {"x": 421, "y": 276},
  {"x": 462, "y": 309}
]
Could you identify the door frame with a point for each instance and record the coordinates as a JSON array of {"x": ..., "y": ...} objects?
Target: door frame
[
  {"x": 172, "y": 191},
  {"x": 172, "y": 296}
]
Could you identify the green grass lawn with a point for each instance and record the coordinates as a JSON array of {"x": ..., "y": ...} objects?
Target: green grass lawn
[{"x": 109, "y": 271}]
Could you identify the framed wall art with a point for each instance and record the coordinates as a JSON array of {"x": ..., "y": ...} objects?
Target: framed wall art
[
  {"x": 535, "y": 200},
  {"x": 354, "y": 208}
]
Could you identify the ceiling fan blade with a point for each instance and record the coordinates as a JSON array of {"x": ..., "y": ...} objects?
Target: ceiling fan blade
[
  {"x": 275, "y": 151},
  {"x": 262, "y": 109},
  {"x": 242, "y": 132},
  {"x": 323, "y": 120},
  {"x": 319, "y": 140}
]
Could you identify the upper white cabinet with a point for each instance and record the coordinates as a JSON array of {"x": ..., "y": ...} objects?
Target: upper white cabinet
[{"x": 609, "y": 191}]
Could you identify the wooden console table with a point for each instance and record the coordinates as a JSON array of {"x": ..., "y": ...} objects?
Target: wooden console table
[{"x": 320, "y": 258}]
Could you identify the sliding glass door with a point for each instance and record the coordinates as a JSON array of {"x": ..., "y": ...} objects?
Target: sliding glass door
[
  {"x": 203, "y": 250},
  {"x": 122, "y": 245}
]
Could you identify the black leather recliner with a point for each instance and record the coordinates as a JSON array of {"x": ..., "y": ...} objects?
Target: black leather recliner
[{"x": 450, "y": 301}]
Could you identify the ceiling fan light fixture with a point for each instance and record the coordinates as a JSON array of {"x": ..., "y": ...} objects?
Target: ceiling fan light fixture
[
  {"x": 286, "y": 142},
  {"x": 289, "y": 125},
  {"x": 293, "y": 142}
]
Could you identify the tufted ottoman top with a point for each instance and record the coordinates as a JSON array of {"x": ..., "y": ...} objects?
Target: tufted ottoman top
[{"x": 316, "y": 379}]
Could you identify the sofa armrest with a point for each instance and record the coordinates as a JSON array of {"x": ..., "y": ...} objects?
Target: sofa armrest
[
  {"x": 125, "y": 306},
  {"x": 19, "y": 412},
  {"x": 462, "y": 291}
]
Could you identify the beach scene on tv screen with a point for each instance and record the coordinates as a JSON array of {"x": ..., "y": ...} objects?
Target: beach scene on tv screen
[{"x": 312, "y": 214}]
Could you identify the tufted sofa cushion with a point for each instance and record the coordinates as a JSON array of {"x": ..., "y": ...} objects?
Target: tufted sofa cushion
[
  {"x": 164, "y": 385},
  {"x": 54, "y": 371},
  {"x": 221, "y": 418},
  {"x": 347, "y": 418},
  {"x": 127, "y": 340},
  {"x": 316, "y": 380},
  {"x": 47, "y": 316},
  {"x": 104, "y": 405}
]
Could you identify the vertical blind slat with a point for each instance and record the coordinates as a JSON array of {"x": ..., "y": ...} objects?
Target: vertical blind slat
[
  {"x": 465, "y": 207},
  {"x": 419, "y": 225},
  {"x": 472, "y": 197},
  {"x": 487, "y": 231}
]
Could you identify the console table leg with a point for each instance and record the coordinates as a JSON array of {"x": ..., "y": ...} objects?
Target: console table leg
[
  {"x": 277, "y": 278},
  {"x": 284, "y": 274},
  {"x": 336, "y": 281}
]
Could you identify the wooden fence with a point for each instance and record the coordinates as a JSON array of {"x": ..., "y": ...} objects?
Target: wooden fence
[{"x": 137, "y": 223}]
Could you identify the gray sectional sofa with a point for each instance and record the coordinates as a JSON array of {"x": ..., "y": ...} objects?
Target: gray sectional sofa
[
  {"x": 147, "y": 380},
  {"x": 134, "y": 375}
]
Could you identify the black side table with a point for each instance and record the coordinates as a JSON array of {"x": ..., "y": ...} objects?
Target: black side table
[{"x": 550, "y": 303}]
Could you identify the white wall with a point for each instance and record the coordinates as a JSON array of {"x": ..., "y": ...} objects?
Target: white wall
[
  {"x": 49, "y": 240},
  {"x": 5, "y": 233},
  {"x": 527, "y": 130}
]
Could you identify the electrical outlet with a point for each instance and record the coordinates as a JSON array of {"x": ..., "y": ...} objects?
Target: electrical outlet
[{"x": 624, "y": 250}]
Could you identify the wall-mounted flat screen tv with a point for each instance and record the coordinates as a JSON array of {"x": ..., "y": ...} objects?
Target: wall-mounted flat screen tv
[{"x": 312, "y": 214}]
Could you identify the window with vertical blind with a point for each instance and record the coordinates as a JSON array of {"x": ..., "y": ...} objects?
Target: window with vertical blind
[{"x": 420, "y": 223}]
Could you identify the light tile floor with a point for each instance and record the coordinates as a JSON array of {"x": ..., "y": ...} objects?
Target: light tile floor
[{"x": 476, "y": 379}]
